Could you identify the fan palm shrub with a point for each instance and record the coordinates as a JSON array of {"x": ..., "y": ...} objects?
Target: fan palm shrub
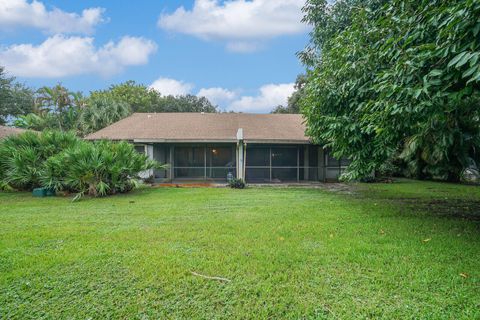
[
  {"x": 22, "y": 156},
  {"x": 96, "y": 169},
  {"x": 63, "y": 162}
]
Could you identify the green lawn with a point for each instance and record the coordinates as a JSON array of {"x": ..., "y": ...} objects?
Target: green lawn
[{"x": 402, "y": 250}]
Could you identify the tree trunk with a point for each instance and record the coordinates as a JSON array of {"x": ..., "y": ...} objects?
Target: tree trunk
[{"x": 420, "y": 169}]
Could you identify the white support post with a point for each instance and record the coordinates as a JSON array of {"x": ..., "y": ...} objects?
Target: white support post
[{"x": 240, "y": 155}]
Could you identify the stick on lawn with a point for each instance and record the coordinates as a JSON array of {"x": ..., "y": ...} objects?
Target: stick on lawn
[{"x": 208, "y": 277}]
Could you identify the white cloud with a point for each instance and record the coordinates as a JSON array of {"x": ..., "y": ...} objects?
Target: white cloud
[
  {"x": 61, "y": 56},
  {"x": 21, "y": 13},
  {"x": 218, "y": 96},
  {"x": 242, "y": 24},
  {"x": 270, "y": 96},
  {"x": 167, "y": 86}
]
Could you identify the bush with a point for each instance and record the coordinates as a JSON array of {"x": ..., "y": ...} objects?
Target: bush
[
  {"x": 63, "y": 162},
  {"x": 96, "y": 169},
  {"x": 22, "y": 156},
  {"x": 236, "y": 184}
]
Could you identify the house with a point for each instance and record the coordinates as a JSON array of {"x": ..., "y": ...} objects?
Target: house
[
  {"x": 8, "y": 131},
  {"x": 213, "y": 146}
]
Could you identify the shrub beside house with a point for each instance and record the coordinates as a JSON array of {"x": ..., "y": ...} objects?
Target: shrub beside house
[{"x": 64, "y": 162}]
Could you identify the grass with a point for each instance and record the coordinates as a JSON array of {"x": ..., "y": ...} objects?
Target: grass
[{"x": 402, "y": 250}]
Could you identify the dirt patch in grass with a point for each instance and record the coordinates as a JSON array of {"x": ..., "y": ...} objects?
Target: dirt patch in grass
[{"x": 449, "y": 208}]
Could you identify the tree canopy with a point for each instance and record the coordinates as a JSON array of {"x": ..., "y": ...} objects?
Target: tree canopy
[
  {"x": 15, "y": 98},
  {"x": 59, "y": 108},
  {"x": 395, "y": 80},
  {"x": 141, "y": 98}
]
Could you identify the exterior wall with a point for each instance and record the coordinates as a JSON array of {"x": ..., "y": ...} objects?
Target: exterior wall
[{"x": 148, "y": 149}]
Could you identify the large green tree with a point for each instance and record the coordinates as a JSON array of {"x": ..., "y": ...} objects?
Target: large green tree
[
  {"x": 141, "y": 98},
  {"x": 395, "y": 79},
  {"x": 15, "y": 98}
]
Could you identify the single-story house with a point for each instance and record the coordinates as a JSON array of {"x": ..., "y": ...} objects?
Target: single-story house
[
  {"x": 258, "y": 148},
  {"x": 8, "y": 131}
]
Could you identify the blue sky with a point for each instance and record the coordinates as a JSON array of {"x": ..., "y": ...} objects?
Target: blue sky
[{"x": 238, "y": 53}]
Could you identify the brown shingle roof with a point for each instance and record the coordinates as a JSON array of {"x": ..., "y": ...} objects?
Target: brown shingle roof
[
  {"x": 8, "y": 131},
  {"x": 206, "y": 127}
]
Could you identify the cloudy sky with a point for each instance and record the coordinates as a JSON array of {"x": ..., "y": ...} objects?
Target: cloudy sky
[{"x": 238, "y": 53}]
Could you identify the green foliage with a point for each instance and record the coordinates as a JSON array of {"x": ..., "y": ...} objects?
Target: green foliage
[
  {"x": 293, "y": 103},
  {"x": 101, "y": 111},
  {"x": 57, "y": 108},
  {"x": 36, "y": 122},
  {"x": 60, "y": 103},
  {"x": 22, "y": 156},
  {"x": 62, "y": 161},
  {"x": 141, "y": 98},
  {"x": 395, "y": 77},
  {"x": 96, "y": 169},
  {"x": 15, "y": 98},
  {"x": 236, "y": 184},
  {"x": 185, "y": 103}
]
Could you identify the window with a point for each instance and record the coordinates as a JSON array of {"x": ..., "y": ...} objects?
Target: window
[{"x": 139, "y": 149}]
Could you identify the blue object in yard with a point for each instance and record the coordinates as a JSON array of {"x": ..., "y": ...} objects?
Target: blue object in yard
[
  {"x": 43, "y": 192},
  {"x": 229, "y": 176}
]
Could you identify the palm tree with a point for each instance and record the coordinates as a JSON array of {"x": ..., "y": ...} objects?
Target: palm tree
[{"x": 57, "y": 100}]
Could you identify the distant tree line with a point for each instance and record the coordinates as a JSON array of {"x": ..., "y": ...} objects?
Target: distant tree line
[{"x": 58, "y": 108}]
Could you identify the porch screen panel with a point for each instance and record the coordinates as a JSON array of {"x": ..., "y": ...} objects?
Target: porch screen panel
[
  {"x": 284, "y": 174},
  {"x": 313, "y": 169},
  {"x": 258, "y": 157},
  {"x": 258, "y": 164},
  {"x": 285, "y": 164},
  {"x": 272, "y": 164},
  {"x": 284, "y": 157},
  {"x": 257, "y": 174},
  {"x": 189, "y": 162},
  {"x": 220, "y": 162}
]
